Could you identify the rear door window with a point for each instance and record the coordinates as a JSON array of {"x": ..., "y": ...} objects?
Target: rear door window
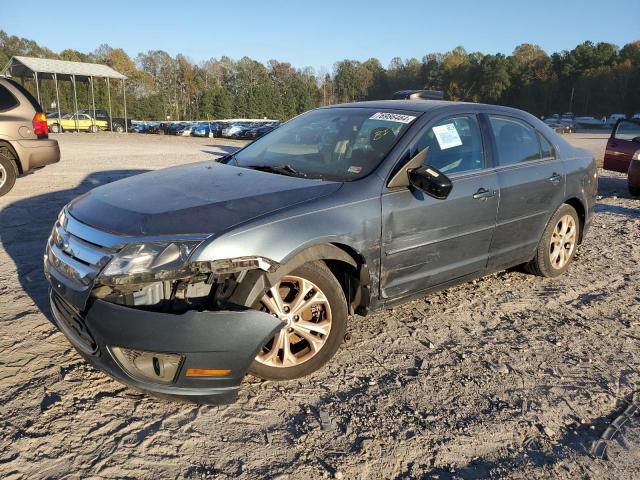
[
  {"x": 516, "y": 141},
  {"x": 7, "y": 100}
]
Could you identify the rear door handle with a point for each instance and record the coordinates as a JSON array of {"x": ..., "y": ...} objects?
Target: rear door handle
[
  {"x": 483, "y": 194},
  {"x": 555, "y": 178}
]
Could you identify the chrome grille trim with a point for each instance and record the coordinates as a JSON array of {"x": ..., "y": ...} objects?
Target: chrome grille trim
[
  {"x": 73, "y": 250},
  {"x": 83, "y": 251},
  {"x": 69, "y": 267}
]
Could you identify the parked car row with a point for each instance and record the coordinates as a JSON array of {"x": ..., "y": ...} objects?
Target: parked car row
[
  {"x": 568, "y": 122},
  {"x": 237, "y": 130}
]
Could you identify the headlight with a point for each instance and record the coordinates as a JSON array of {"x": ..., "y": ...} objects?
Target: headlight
[
  {"x": 139, "y": 263},
  {"x": 235, "y": 265},
  {"x": 636, "y": 156}
]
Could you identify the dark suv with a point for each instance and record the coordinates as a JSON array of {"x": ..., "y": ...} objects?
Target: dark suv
[
  {"x": 24, "y": 135},
  {"x": 182, "y": 280}
]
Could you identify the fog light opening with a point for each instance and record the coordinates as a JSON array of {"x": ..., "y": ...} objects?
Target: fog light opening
[{"x": 152, "y": 366}]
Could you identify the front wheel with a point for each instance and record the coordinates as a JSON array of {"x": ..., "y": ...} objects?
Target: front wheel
[
  {"x": 55, "y": 128},
  {"x": 558, "y": 244},
  {"x": 312, "y": 306},
  {"x": 93, "y": 129},
  {"x": 118, "y": 128}
]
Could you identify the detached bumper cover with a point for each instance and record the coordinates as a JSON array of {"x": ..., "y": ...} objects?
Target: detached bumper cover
[{"x": 222, "y": 340}]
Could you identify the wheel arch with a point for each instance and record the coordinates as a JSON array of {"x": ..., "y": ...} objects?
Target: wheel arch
[
  {"x": 347, "y": 265},
  {"x": 4, "y": 143},
  {"x": 580, "y": 209}
]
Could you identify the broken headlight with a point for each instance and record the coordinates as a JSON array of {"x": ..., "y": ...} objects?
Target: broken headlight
[
  {"x": 237, "y": 265},
  {"x": 138, "y": 263}
]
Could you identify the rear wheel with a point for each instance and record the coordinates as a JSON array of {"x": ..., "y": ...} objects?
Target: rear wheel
[
  {"x": 8, "y": 170},
  {"x": 55, "y": 128},
  {"x": 557, "y": 245},
  {"x": 312, "y": 306},
  {"x": 93, "y": 129},
  {"x": 118, "y": 128}
]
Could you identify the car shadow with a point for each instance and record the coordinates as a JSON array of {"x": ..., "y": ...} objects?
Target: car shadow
[
  {"x": 26, "y": 224},
  {"x": 221, "y": 150}
]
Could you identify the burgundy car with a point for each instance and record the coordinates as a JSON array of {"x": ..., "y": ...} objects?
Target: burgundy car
[{"x": 623, "y": 152}]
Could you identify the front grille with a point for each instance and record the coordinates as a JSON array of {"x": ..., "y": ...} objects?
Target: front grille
[
  {"x": 73, "y": 325},
  {"x": 79, "y": 252}
]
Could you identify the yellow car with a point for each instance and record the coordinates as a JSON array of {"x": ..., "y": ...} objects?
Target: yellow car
[{"x": 69, "y": 121}]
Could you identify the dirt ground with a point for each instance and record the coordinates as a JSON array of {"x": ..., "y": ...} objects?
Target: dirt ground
[{"x": 510, "y": 376}]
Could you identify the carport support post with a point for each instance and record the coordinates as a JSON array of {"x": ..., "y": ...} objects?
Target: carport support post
[
  {"x": 109, "y": 97},
  {"x": 35, "y": 77},
  {"x": 75, "y": 101},
  {"x": 55, "y": 80},
  {"x": 93, "y": 102},
  {"x": 124, "y": 95}
]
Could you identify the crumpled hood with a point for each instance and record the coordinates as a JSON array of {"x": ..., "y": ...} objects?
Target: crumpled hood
[{"x": 207, "y": 198}]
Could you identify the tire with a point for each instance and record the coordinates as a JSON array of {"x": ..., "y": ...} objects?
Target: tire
[
  {"x": 303, "y": 360},
  {"x": 118, "y": 128},
  {"x": 634, "y": 191},
  {"x": 55, "y": 128},
  {"x": 8, "y": 170},
  {"x": 558, "y": 244},
  {"x": 93, "y": 129}
]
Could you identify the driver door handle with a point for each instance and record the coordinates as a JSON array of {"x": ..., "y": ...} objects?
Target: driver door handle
[
  {"x": 555, "y": 178},
  {"x": 483, "y": 194}
]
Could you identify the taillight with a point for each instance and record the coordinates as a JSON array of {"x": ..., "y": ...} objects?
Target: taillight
[{"x": 40, "y": 127}]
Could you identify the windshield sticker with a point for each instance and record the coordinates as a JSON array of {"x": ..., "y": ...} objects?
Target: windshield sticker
[
  {"x": 354, "y": 169},
  {"x": 392, "y": 117},
  {"x": 447, "y": 136}
]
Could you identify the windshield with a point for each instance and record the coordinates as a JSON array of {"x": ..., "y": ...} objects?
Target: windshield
[{"x": 341, "y": 144}]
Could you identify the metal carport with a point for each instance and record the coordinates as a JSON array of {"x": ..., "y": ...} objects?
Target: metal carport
[{"x": 40, "y": 68}]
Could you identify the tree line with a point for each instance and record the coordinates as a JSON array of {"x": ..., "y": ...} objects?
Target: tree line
[{"x": 591, "y": 79}]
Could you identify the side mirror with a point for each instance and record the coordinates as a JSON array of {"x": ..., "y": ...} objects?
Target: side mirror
[
  {"x": 425, "y": 178},
  {"x": 431, "y": 181}
]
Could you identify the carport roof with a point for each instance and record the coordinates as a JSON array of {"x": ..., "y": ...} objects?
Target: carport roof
[{"x": 45, "y": 67}]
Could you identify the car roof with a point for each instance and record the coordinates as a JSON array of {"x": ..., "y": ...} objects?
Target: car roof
[{"x": 423, "y": 105}]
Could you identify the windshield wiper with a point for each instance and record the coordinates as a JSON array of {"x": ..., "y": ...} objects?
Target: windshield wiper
[{"x": 279, "y": 169}]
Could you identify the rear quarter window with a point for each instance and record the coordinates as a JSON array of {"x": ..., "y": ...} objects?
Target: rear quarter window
[
  {"x": 7, "y": 100},
  {"x": 30, "y": 98}
]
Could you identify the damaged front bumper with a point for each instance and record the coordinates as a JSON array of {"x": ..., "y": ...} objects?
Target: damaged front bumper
[
  {"x": 225, "y": 342},
  {"x": 200, "y": 356}
]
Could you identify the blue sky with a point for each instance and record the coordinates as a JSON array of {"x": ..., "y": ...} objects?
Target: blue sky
[{"x": 318, "y": 33}]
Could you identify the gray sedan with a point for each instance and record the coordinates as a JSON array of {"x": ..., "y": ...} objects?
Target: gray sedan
[{"x": 181, "y": 281}]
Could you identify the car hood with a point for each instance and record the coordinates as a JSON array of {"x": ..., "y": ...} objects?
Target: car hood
[{"x": 203, "y": 198}]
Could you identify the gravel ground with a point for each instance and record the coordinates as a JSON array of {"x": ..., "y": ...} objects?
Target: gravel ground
[{"x": 510, "y": 376}]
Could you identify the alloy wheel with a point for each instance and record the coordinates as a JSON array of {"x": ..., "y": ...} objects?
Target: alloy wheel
[
  {"x": 3, "y": 175},
  {"x": 563, "y": 242},
  {"x": 306, "y": 313}
]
